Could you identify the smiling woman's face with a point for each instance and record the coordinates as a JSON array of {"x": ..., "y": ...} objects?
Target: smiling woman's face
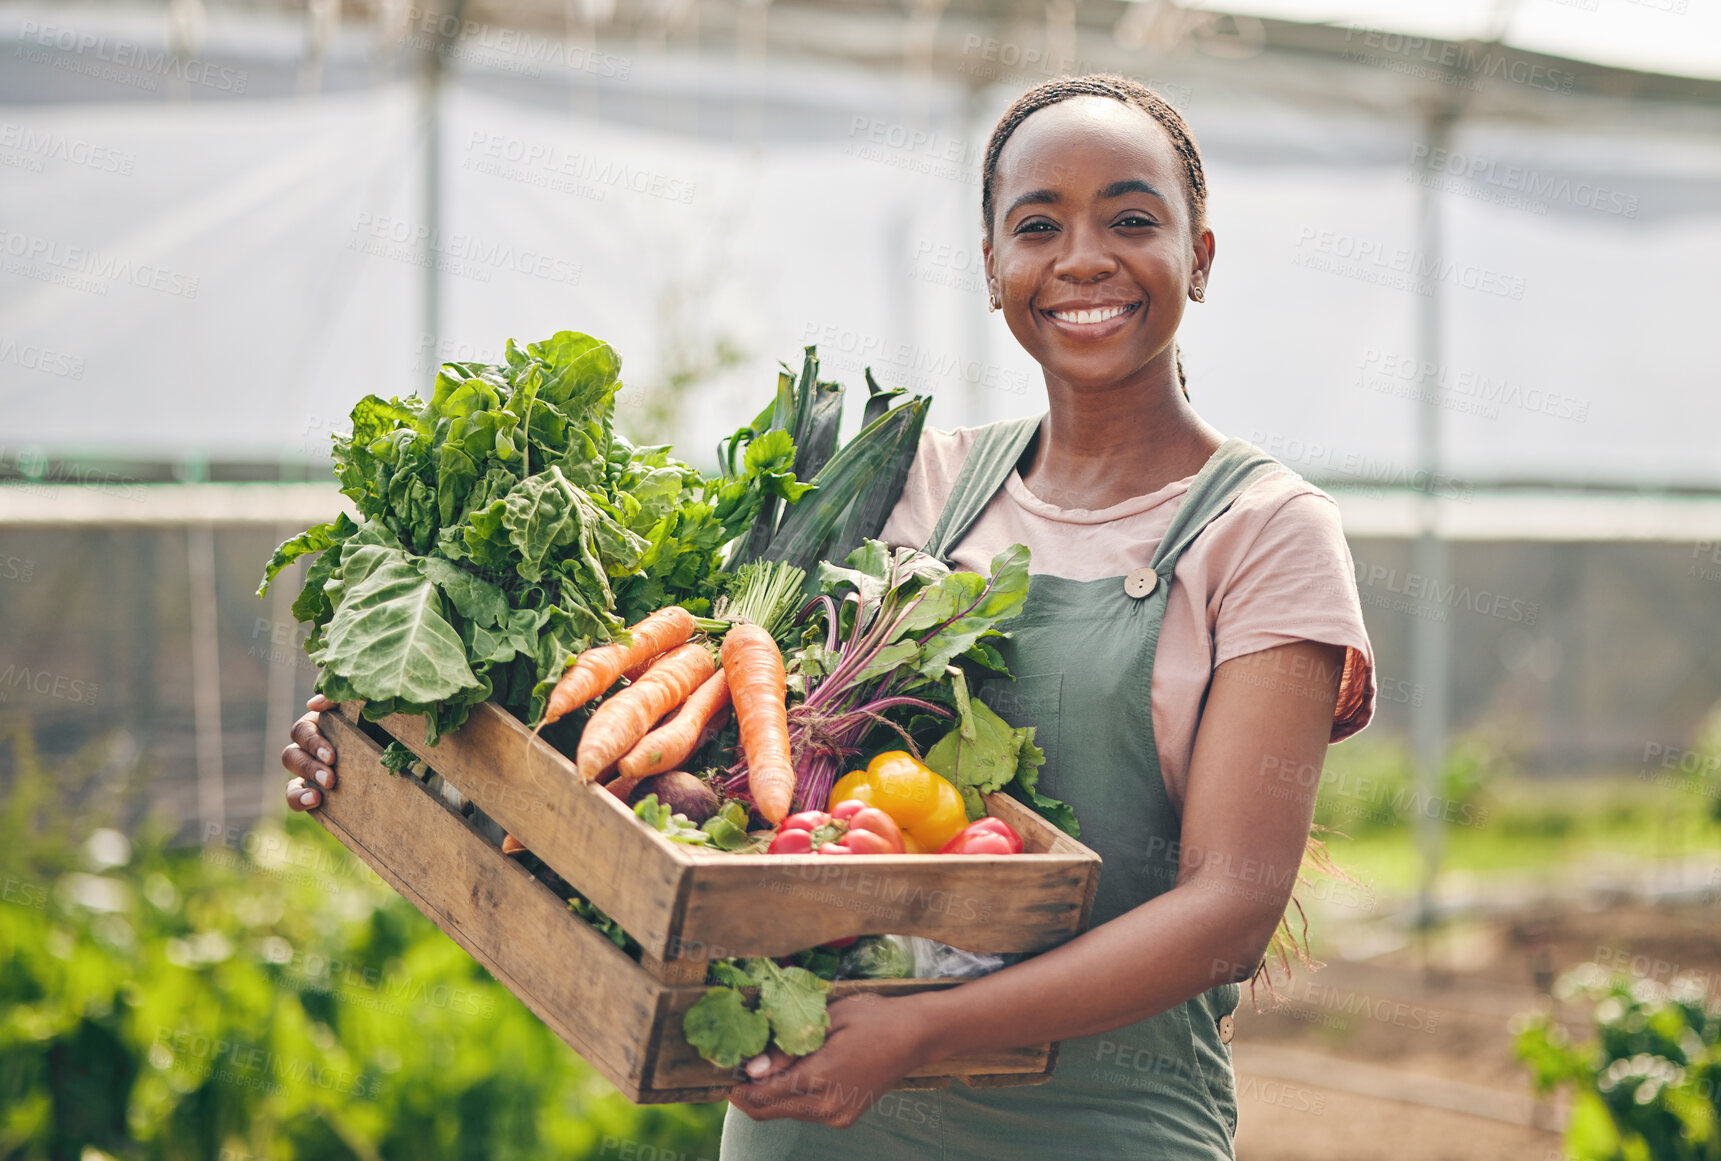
[{"x": 1092, "y": 250}]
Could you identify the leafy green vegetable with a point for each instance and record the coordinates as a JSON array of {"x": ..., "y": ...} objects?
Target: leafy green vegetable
[
  {"x": 608, "y": 927},
  {"x": 387, "y": 637},
  {"x": 504, "y": 526},
  {"x": 727, "y": 829},
  {"x": 902, "y": 630},
  {"x": 397, "y": 759},
  {"x": 981, "y": 756},
  {"x": 1026, "y": 787},
  {"x": 878, "y": 957},
  {"x": 723, "y": 1030},
  {"x": 792, "y": 1007},
  {"x": 675, "y": 827},
  {"x": 794, "y": 1001},
  {"x": 855, "y": 485}
]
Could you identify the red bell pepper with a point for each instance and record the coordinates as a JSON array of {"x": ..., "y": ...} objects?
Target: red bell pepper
[
  {"x": 851, "y": 828},
  {"x": 986, "y": 836}
]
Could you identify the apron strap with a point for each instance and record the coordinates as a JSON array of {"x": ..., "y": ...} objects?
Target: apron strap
[
  {"x": 1234, "y": 466},
  {"x": 996, "y": 449}
]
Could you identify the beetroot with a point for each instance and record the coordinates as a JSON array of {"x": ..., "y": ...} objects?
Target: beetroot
[{"x": 681, "y": 792}]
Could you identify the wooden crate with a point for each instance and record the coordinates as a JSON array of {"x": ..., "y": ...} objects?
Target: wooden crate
[{"x": 683, "y": 905}]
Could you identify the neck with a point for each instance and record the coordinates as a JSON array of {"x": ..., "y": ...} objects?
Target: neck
[{"x": 1100, "y": 447}]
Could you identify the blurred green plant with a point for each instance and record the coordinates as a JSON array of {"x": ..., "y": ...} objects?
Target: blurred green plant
[
  {"x": 1369, "y": 785},
  {"x": 1648, "y": 1088},
  {"x": 263, "y": 997}
]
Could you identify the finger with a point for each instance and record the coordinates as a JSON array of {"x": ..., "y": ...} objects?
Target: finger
[
  {"x": 768, "y": 1063},
  {"x": 300, "y": 797},
  {"x": 311, "y": 740},
  {"x": 319, "y": 703},
  {"x": 296, "y": 761}
]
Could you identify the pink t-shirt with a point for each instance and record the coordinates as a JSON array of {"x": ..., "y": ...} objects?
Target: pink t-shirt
[{"x": 1274, "y": 568}]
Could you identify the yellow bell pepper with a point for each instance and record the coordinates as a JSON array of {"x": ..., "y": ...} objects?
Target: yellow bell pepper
[{"x": 922, "y": 802}]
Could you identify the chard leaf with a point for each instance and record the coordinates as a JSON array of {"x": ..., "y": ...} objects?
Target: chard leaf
[
  {"x": 397, "y": 759},
  {"x": 722, "y": 1029},
  {"x": 475, "y": 599},
  {"x": 982, "y": 764},
  {"x": 575, "y": 372},
  {"x": 1059, "y": 814},
  {"x": 312, "y": 603},
  {"x": 313, "y": 539},
  {"x": 387, "y": 637}
]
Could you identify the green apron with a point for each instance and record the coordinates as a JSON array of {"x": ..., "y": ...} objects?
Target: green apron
[{"x": 1083, "y": 654}]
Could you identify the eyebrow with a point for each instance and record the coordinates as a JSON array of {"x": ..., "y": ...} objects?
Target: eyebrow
[{"x": 1051, "y": 197}]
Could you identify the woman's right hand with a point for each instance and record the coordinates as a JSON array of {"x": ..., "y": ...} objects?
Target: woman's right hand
[{"x": 310, "y": 758}]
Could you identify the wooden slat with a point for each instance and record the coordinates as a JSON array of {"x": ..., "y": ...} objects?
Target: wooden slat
[
  {"x": 775, "y": 905},
  {"x": 506, "y": 920},
  {"x": 684, "y": 903},
  {"x": 1038, "y": 834},
  {"x": 580, "y": 829}
]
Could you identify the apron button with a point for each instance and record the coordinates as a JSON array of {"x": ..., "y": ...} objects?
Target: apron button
[
  {"x": 1226, "y": 1026},
  {"x": 1141, "y": 582}
]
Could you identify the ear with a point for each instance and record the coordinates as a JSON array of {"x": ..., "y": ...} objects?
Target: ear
[
  {"x": 1202, "y": 253},
  {"x": 991, "y": 266}
]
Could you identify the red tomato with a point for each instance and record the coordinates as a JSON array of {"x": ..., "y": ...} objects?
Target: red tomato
[{"x": 986, "y": 836}]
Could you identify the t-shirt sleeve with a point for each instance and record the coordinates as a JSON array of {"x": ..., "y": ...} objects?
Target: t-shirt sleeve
[
  {"x": 1297, "y": 582},
  {"x": 931, "y": 475}
]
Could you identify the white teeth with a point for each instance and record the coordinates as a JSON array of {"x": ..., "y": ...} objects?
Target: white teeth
[{"x": 1088, "y": 317}]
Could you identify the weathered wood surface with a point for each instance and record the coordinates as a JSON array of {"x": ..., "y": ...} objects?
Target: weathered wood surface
[
  {"x": 682, "y": 903},
  {"x": 613, "y": 1012},
  {"x": 580, "y": 829},
  {"x": 506, "y": 920}
]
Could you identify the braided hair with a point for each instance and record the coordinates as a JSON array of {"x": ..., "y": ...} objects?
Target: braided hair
[{"x": 1124, "y": 91}]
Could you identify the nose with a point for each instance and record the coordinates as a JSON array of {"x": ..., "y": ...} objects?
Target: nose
[{"x": 1085, "y": 257}]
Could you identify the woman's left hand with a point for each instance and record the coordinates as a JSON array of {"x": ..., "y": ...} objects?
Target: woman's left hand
[{"x": 872, "y": 1043}]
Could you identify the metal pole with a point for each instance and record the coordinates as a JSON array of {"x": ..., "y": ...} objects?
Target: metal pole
[
  {"x": 430, "y": 90},
  {"x": 1430, "y": 644},
  {"x": 206, "y": 677}
]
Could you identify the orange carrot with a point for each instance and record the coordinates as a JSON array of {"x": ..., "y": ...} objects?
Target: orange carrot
[
  {"x": 757, "y": 684},
  {"x": 512, "y": 845},
  {"x": 595, "y": 670},
  {"x": 665, "y": 747},
  {"x": 626, "y": 718}
]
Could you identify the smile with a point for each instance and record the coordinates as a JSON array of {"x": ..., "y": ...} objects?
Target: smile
[{"x": 1092, "y": 317}]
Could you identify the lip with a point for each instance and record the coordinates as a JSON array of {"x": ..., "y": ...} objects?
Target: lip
[{"x": 1091, "y": 330}]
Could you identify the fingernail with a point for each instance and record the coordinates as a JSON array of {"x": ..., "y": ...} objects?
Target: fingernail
[
  {"x": 307, "y": 798},
  {"x": 322, "y": 777},
  {"x": 759, "y": 1066},
  {"x": 326, "y": 754}
]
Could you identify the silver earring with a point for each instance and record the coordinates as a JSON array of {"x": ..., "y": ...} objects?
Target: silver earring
[{"x": 1198, "y": 294}]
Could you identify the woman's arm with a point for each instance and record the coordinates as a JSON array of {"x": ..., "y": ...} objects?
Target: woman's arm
[{"x": 1242, "y": 845}]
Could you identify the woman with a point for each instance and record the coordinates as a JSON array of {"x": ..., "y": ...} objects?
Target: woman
[{"x": 1191, "y": 641}]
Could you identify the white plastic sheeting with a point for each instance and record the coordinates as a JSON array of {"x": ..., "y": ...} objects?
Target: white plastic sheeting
[{"x": 254, "y": 265}]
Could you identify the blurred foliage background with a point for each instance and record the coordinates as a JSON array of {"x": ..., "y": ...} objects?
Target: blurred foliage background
[{"x": 264, "y": 998}]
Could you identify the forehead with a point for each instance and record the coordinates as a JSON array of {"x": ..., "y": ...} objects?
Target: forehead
[{"x": 1082, "y": 140}]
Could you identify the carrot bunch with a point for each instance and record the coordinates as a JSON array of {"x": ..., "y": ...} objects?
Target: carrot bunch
[{"x": 674, "y": 695}]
